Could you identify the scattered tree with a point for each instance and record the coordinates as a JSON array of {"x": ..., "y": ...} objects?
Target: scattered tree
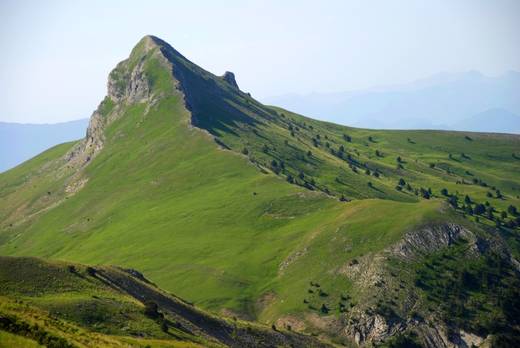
[
  {"x": 164, "y": 326},
  {"x": 489, "y": 212},
  {"x": 425, "y": 193},
  {"x": 453, "y": 201},
  {"x": 479, "y": 209},
  {"x": 324, "y": 309}
]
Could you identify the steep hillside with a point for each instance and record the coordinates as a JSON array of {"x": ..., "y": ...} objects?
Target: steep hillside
[
  {"x": 264, "y": 214},
  {"x": 68, "y": 305}
]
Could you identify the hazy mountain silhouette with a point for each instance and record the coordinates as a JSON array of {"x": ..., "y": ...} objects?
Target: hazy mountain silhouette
[
  {"x": 442, "y": 101},
  {"x": 19, "y": 142}
]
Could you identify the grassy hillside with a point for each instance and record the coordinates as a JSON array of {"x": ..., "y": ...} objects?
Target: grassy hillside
[
  {"x": 60, "y": 304},
  {"x": 207, "y": 211}
]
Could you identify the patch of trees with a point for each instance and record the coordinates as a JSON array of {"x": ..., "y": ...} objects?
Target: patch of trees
[{"x": 480, "y": 294}]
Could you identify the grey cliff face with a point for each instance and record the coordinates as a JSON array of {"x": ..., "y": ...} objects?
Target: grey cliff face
[{"x": 125, "y": 85}]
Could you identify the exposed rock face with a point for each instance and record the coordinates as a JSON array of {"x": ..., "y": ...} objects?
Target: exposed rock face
[
  {"x": 126, "y": 85},
  {"x": 431, "y": 238},
  {"x": 371, "y": 328},
  {"x": 229, "y": 77},
  {"x": 372, "y": 278}
]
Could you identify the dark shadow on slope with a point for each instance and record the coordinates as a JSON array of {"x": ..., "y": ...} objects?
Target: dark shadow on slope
[{"x": 216, "y": 105}]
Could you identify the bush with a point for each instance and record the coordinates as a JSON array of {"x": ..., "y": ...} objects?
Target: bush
[
  {"x": 164, "y": 326},
  {"x": 453, "y": 201},
  {"x": 151, "y": 310},
  {"x": 324, "y": 309}
]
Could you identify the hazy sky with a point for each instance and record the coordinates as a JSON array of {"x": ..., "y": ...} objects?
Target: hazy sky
[{"x": 56, "y": 55}]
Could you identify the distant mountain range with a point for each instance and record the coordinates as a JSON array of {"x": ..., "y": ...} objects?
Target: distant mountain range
[
  {"x": 460, "y": 101},
  {"x": 19, "y": 142}
]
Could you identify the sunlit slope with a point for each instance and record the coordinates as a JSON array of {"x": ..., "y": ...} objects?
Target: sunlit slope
[
  {"x": 219, "y": 224},
  {"x": 198, "y": 220},
  {"x": 365, "y": 163}
]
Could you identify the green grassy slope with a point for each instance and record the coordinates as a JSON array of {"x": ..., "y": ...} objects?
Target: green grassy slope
[
  {"x": 223, "y": 228},
  {"x": 60, "y": 304}
]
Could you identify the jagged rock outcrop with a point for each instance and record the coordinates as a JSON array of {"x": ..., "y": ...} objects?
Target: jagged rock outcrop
[
  {"x": 229, "y": 77},
  {"x": 431, "y": 238},
  {"x": 127, "y": 84}
]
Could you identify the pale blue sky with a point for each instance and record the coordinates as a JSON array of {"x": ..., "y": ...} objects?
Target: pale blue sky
[{"x": 56, "y": 55}]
